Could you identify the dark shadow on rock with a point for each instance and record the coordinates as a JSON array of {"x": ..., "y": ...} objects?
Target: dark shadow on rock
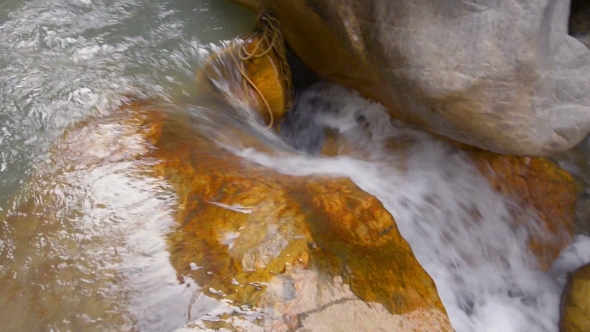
[{"x": 579, "y": 23}]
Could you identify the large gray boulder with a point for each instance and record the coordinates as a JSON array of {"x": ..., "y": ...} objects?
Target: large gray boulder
[{"x": 503, "y": 75}]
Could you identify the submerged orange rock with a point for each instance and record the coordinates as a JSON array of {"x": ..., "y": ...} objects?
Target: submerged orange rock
[
  {"x": 251, "y": 75},
  {"x": 297, "y": 251},
  {"x": 541, "y": 186},
  {"x": 575, "y": 303},
  {"x": 359, "y": 240},
  {"x": 244, "y": 225},
  {"x": 536, "y": 184},
  {"x": 241, "y": 225}
]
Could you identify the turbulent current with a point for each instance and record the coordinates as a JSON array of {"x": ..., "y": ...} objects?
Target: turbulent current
[
  {"x": 457, "y": 225},
  {"x": 105, "y": 267}
]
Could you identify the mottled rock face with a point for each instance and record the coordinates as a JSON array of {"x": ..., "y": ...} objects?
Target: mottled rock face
[
  {"x": 575, "y": 305},
  {"x": 536, "y": 185},
  {"x": 544, "y": 188},
  {"x": 579, "y": 24},
  {"x": 247, "y": 231},
  {"x": 243, "y": 228},
  {"x": 288, "y": 252},
  {"x": 255, "y": 86},
  {"x": 503, "y": 76}
]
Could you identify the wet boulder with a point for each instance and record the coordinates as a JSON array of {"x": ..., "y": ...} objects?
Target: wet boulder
[
  {"x": 251, "y": 236},
  {"x": 256, "y": 248},
  {"x": 250, "y": 75},
  {"x": 543, "y": 189},
  {"x": 503, "y": 76},
  {"x": 579, "y": 24},
  {"x": 575, "y": 305}
]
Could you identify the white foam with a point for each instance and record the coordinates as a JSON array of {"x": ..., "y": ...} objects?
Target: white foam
[
  {"x": 571, "y": 258},
  {"x": 457, "y": 225}
]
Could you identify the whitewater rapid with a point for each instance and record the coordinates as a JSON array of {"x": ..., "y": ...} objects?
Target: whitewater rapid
[{"x": 457, "y": 225}]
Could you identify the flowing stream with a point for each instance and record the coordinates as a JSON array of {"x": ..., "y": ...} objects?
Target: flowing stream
[
  {"x": 105, "y": 265},
  {"x": 457, "y": 225},
  {"x": 62, "y": 61}
]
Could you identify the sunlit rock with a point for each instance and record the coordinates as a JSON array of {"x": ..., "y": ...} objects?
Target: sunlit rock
[
  {"x": 575, "y": 306},
  {"x": 356, "y": 236},
  {"x": 503, "y": 76}
]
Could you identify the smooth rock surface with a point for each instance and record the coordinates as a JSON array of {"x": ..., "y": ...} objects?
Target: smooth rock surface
[
  {"x": 255, "y": 87},
  {"x": 542, "y": 187},
  {"x": 503, "y": 76},
  {"x": 575, "y": 306},
  {"x": 243, "y": 225},
  {"x": 535, "y": 185}
]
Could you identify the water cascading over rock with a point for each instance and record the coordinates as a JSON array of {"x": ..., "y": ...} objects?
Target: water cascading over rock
[{"x": 279, "y": 251}]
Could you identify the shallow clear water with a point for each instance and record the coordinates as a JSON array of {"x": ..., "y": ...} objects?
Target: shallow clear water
[
  {"x": 104, "y": 265},
  {"x": 61, "y": 59}
]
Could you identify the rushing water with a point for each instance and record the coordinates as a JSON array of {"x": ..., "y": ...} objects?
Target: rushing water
[
  {"x": 60, "y": 62},
  {"x": 104, "y": 265},
  {"x": 457, "y": 225}
]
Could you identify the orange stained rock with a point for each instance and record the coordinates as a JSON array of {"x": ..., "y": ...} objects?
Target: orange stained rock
[
  {"x": 534, "y": 183},
  {"x": 240, "y": 224},
  {"x": 326, "y": 46},
  {"x": 228, "y": 77},
  {"x": 540, "y": 185},
  {"x": 575, "y": 305},
  {"x": 359, "y": 240}
]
